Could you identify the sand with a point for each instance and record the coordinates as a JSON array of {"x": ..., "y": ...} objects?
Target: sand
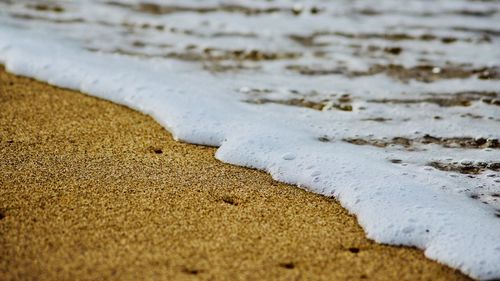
[{"x": 90, "y": 190}]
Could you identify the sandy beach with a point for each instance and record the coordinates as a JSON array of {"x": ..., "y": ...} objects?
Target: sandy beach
[{"x": 91, "y": 190}]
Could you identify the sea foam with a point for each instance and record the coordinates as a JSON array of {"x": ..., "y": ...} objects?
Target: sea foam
[{"x": 392, "y": 109}]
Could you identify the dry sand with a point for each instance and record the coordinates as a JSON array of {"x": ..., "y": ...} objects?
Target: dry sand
[{"x": 90, "y": 190}]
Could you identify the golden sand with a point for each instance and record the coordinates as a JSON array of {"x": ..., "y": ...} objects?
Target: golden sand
[{"x": 90, "y": 190}]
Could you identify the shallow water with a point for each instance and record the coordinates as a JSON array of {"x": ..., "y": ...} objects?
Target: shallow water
[{"x": 393, "y": 109}]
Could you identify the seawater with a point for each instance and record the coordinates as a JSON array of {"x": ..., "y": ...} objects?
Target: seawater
[{"x": 391, "y": 108}]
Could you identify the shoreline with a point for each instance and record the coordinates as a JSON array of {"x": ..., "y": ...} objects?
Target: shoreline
[{"x": 94, "y": 190}]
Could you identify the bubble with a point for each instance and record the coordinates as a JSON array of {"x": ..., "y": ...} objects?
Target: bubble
[
  {"x": 244, "y": 90},
  {"x": 297, "y": 9},
  {"x": 465, "y": 162},
  {"x": 436, "y": 70},
  {"x": 288, "y": 156}
]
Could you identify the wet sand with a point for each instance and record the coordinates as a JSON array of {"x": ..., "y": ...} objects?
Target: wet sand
[{"x": 91, "y": 190}]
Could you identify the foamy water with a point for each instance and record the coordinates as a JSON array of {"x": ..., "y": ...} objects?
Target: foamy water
[{"x": 393, "y": 109}]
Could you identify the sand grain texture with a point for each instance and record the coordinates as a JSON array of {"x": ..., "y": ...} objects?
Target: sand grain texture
[{"x": 91, "y": 190}]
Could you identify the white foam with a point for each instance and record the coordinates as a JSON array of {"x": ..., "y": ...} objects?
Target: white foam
[{"x": 407, "y": 203}]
